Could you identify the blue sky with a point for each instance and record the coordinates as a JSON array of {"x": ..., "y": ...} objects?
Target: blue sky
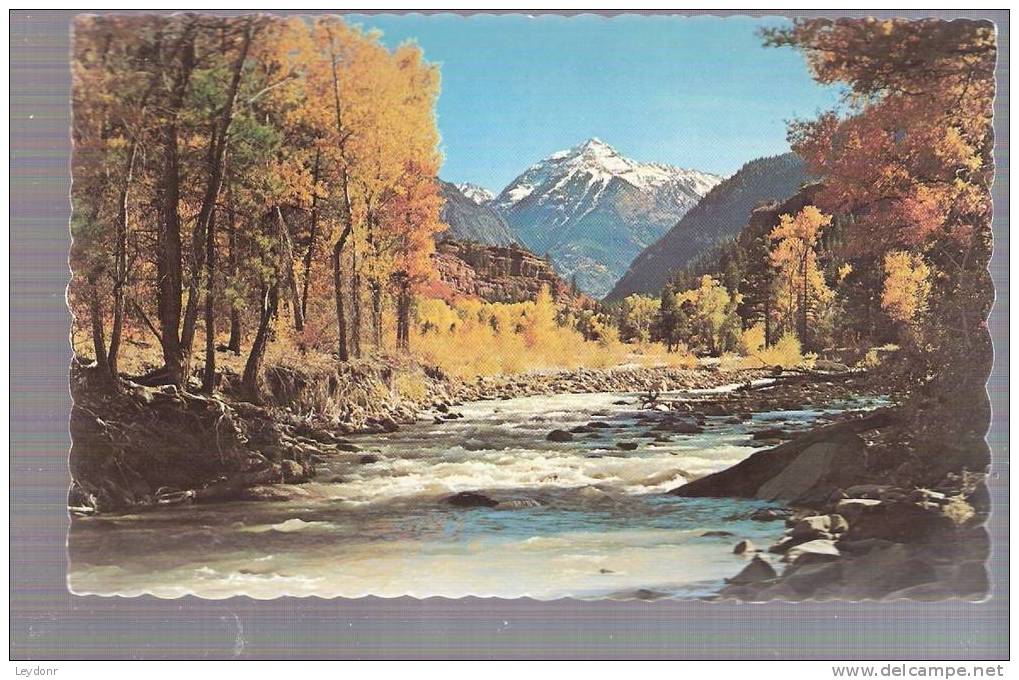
[{"x": 698, "y": 92}]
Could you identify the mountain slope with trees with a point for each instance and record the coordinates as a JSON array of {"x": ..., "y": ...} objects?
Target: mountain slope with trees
[{"x": 717, "y": 218}]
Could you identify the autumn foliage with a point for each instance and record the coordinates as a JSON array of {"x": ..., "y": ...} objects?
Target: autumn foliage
[
  {"x": 909, "y": 160},
  {"x": 232, "y": 173}
]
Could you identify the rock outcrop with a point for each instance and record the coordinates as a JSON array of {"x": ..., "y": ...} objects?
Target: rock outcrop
[
  {"x": 885, "y": 549},
  {"x": 499, "y": 273}
]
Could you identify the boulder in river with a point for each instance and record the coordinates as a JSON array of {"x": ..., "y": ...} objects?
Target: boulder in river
[
  {"x": 810, "y": 577},
  {"x": 803, "y": 470},
  {"x": 627, "y": 446},
  {"x": 471, "y": 499},
  {"x": 816, "y": 526},
  {"x": 758, "y": 570},
  {"x": 770, "y": 514},
  {"x": 292, "y": 471},
  {"x": 264, "y": 493},
  {"x": 681, "y": 427},
  {"x": 559, "y": 436},
  {"x": 744, "y": 547}
]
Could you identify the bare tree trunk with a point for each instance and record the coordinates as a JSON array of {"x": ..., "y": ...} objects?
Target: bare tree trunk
[
  {"x": 376, "y": 288},
  {"x": 209, "y": 379},
  {"x": 803, "y": 301},
  {"x": 120, "y": 257},
  {"x": 313, "y": 233},
  {"x": 169, "y": 273},
  {"x": 346, "y": 216},
  {"x": 98, "y": 334},
  {"x": 355, "y": 304},
  {"x": 234, "y": 344},
  {"x": 403, "y": 312},
  {"x": 341, "y": 320},
  {"x": 287, "y": 247},
  {"x": 214, "y": 162},
  {"x": 253, "y": 366}
]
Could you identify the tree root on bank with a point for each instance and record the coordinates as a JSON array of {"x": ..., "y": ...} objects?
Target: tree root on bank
[{"x": 136, "y": 446}]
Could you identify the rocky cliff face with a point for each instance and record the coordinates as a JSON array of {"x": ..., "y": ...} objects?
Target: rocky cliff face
[{"x": 497, "y": 273}]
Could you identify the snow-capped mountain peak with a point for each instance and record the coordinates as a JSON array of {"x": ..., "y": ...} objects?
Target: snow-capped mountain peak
[
  {"x": 476, "y": 193},
  {"x": 594, "y": 210},
  {"x": 601, "y": 162}
]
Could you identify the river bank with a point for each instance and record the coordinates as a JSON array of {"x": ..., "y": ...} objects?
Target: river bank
[
  {"x": 135, "y": 446},
  {"x": 866, "y": 516}
]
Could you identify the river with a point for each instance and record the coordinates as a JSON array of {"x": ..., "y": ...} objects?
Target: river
[{"x": 577, "y": 519}]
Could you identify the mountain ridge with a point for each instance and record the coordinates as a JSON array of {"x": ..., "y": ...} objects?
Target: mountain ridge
[
  {"x": 470, "y": 221},
  {"x": 721, "y": 215}
]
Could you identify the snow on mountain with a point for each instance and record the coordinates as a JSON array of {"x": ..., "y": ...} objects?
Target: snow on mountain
[
  {"x": 476, "y": 193},
  {"x": 593, "y": 211}
]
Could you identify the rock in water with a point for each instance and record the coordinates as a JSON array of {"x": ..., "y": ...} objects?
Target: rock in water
[
  {"x": 559, "y": 436},
  {"x": 264, "y": 493},
  {"x": 758, "y": 570},
  {"x": 470, "y": 499},
  {"x": 770, "y": 514},
  {"x": 627, "y": 446},
  {"x": 817, "y": 526},
  {"x": 808, "y": 468},
  {"x": 293, "y": 471},
  {"x": 744, "y": 547},
  {"x": 826, "y": 460}
]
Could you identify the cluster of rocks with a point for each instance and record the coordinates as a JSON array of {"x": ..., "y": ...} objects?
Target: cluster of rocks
[
  {"x": 877, "y": 542},
  {"x": 849, "y": 533},
  {"x": 587, "y": 380}
]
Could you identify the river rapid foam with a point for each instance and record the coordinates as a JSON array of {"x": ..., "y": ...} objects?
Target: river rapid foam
[{"x": 581, "y": 518}]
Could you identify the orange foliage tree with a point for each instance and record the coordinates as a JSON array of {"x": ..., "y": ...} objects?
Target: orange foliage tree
[
  {"x": 239, "y": 165},
  {"x": 800, "y": 283}
]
